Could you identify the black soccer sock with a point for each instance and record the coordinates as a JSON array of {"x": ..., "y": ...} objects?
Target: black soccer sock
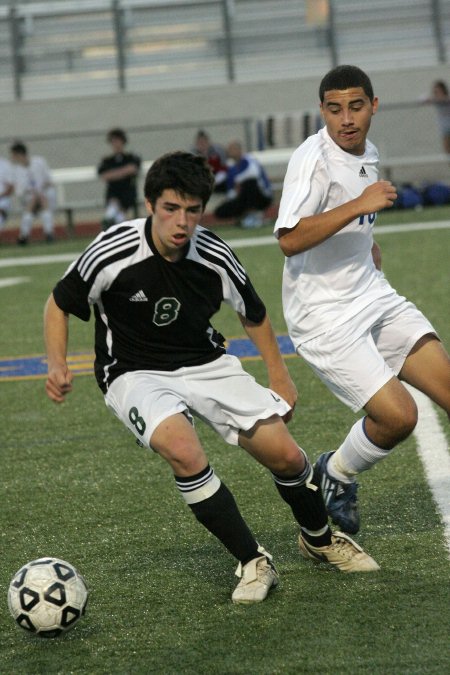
[
  {"x": 215, "y": 508},
  {"x": 304, "y": 496}
]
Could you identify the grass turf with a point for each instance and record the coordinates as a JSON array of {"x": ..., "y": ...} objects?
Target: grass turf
[{"x": 75, "y": 485}]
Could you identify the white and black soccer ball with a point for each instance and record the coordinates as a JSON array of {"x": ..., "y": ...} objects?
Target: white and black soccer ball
[{"x": 47, "y": 597}]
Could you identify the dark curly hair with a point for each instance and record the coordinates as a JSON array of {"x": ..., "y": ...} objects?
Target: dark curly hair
[
  {"x": 187, "y": 174},
  {"x": 346, "y": 77}
]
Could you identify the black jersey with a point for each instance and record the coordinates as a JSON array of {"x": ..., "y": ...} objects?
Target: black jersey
[
  {"x": 152, "y": 314},
  {"x": 125, "y": 189}
]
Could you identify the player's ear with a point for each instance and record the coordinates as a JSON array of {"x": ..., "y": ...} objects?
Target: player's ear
[
  {"x": 148, "y": 207},
  {"x": 374, "y": 105}
]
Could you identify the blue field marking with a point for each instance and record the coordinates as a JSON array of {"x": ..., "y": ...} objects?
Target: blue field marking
[{"x": 35, "y": 367}]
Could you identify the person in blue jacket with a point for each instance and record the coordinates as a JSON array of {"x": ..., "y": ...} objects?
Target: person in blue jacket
[{"x": 249, "y": 191}]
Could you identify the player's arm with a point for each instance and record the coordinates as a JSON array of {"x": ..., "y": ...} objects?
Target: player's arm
[
  {"x": 313, "y": 230},
  {"x": 263, "y": 337},
  {"x": 56, "y": 334},
  {"x": 119, "y": 173}
]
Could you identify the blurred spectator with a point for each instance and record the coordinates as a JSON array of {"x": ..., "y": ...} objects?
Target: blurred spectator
[
  {"x": 6, "y": 190},
  {"x": 35, "y": 190},
  {"x": 119, "y": 171},
  {"x": 216, "y": 157},
  {"x": 249, "y": 191},
  {"x": 441, "y": 100}
]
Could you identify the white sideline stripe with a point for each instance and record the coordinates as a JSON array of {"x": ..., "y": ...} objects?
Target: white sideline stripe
[
  {"x": 432, "y": 448},
  {"x": 13, "y": 281},
  {"x": 234, "y": 243}
]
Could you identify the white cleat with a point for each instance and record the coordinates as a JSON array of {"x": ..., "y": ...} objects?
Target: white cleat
[
  {"x": 343, "y": 553},
  {"x": 257, "y": 577}
]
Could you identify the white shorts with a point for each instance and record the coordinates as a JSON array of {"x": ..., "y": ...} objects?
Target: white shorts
[
  {"x": 50, "y": 194},
  {"x": 220, "y": 393},
  {"x": 354, "y": 364}
]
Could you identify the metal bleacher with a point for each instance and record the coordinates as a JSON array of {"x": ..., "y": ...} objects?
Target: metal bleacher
[
  {"x": 82, "y": 47},
  {"x": 74, "y": 49}
]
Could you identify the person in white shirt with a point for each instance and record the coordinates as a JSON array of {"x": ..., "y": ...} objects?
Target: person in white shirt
[
  {"x": 35, "y": 189},
  {"x": 6, "y": 190},
  {"x": 356, "y": 332}
]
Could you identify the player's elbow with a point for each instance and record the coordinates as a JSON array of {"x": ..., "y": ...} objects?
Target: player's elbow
[{"x": 288, "y": 246}]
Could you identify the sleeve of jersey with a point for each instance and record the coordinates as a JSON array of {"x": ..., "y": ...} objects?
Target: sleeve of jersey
[
  {"x": 237, "y": 289},
  {"x": 297, "y": 186},
  {"x": 71, "y": 295}
]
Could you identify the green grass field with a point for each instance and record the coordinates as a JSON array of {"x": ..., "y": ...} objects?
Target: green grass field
[{"x": 76, "y": 486}]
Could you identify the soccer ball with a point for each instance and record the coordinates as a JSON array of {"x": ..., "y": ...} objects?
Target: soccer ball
[{"x": 47, "y": 597}]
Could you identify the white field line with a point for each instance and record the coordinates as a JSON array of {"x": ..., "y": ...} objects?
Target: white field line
[
  {"x": 13, "y": 281},
  {"x": 245, "y": 242},
  {"x": 432, "y": 448}
]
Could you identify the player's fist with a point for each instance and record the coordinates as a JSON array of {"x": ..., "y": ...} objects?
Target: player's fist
[
  {"x": 58, "y": 384},
  {"x": 379, "y": 195}
]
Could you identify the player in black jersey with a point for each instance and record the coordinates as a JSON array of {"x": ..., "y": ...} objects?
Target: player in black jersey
[
  {"x": 154, "y": 285},
  {"x": 119, "y": 171}
]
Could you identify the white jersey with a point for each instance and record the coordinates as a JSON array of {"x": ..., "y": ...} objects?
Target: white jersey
[
  {"x": 35, "y": 177},
  {"x": 333, "y": 281},
  {"x": 6, "y": 176}
]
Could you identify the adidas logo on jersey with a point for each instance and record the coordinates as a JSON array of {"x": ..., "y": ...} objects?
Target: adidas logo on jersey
[
  {"x": 362, "y": 173},
  {"x": 139, "y": 297}
]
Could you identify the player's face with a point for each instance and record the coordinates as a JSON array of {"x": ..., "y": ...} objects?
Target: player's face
[
  {"x": 347, "y": 114},
  {"x": 173, "y": 222}
]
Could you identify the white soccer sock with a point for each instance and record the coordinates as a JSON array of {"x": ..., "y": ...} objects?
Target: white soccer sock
[
  {"x": 47, "y": 221},
  {"x": 356, "y": 454},
  {"x": 26, "y": 224}
]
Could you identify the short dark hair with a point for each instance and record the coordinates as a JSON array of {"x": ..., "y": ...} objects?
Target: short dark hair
[
  {"x": 442, "y": 86},
  {"x": 345, "y": 77},
  {"x": 18, "y": 148},
  {"x": 183, "y": 172},
  {"x": 117, "y": 133}
]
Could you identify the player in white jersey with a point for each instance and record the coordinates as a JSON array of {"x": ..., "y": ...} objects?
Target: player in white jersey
[
  {"x": 6, "y": 190},
  {"x": 35, "y": 189},
  {"x": 155, "y": 284},
  {"x": 345, "y": 319}
]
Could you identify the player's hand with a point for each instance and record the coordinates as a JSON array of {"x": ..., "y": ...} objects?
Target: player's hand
[
  {"x": 59, "y": 383},
  {"x": 379, "y": 195},
  {"x": 284, "y": 386}
]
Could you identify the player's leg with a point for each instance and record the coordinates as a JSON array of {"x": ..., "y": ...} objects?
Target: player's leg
[
  {"x": 5, "y": 205},
  {"x": 392, "y": 412},
  {"x": 270, "y": 442},
  {"x": 47, "y": 206},
  {"x": 377, "y": 357},
  {"x": 113, "y": 214},
  {"x": 427, "y": 367},
  {"x": 214, "y": 506},
  {"x": 352, "y": 367},
  {"x": 152, "y": 406},
  {"x": 26, "y": 219}
]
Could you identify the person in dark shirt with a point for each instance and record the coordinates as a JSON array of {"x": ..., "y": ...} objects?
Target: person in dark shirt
[
  {"x": 119, "y": 171},
  {"x": 216, "y": 156},
  {"x": 155, "y": 284}
]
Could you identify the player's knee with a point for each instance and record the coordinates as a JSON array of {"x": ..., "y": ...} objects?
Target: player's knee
[
  {"x": 290, "y": 462},
  {"x": 403, "y": 421}
]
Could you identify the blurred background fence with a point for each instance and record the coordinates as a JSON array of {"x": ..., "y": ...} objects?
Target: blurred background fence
[
  {"x": 72, "y": 48},
  {"x": 246, "y": 69}
]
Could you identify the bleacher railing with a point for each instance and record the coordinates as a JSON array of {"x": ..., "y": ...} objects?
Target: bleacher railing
[{"x": 64, "y": 48}]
